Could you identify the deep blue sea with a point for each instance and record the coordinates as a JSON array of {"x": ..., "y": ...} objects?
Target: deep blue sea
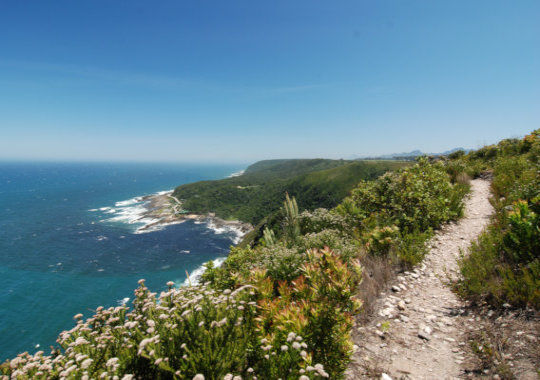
[{"x": 69, "y": 243}]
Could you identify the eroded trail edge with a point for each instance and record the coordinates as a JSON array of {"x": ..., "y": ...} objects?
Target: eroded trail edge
[{"x": 419, "y": 330}]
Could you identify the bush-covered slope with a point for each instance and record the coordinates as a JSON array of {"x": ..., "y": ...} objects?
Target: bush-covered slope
[
  {"x": 259, "y": 191},
  {"x": 503, "y": 266},
  {"x": 288, "y": 168},
  {"x": 281, "y": 309}
]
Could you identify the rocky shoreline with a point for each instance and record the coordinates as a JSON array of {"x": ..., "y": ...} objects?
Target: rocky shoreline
[{"x": 166, "y": 209}]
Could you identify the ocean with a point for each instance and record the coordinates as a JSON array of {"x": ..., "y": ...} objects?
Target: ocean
[{"x": 70, "y": 241}]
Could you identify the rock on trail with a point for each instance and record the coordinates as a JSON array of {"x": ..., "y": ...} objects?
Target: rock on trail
[{"x": 418, "y": 331}]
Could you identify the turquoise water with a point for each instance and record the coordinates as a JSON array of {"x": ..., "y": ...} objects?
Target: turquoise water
[{"x": 68, "y": 242}]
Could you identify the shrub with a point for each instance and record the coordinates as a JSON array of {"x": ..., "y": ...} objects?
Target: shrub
[
  {"x": 318, "y": 306},
  {"x": 381, "y": 240},
  {"x": 522, "y": 239},
  {"x": 412, "y": 248},
  {"x": 415, "y": 198},
  {"x": 503, "y": 266},
  {"x": 322, "y": 219},
  {"x": 348, "y": 249},
  {"x": 187, "y": 333},
  {"x": 183, "y": 333},
  {"x": 395, "y": 214}
]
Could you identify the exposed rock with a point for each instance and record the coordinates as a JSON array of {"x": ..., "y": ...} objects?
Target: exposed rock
[{"x": 423, "y": 335}]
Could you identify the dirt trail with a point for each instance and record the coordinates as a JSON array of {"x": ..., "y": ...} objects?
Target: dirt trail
[{"x": 418, "y": 331}]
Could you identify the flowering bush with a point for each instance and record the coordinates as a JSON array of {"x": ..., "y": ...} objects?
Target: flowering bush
[
  {"x": 182, "y": 333},
  {"x": 322, "y": 219},
  {"x": 317, "y": 305},
  {"x": 187, "y": 333}
]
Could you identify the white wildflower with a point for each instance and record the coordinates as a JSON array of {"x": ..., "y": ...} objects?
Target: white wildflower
[
  {"x": 112, "y": 362},
  {"x": 291, "y": 337}
]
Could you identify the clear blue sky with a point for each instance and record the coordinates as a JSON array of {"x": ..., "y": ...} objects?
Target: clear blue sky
[{"x": 246, "y": 80}]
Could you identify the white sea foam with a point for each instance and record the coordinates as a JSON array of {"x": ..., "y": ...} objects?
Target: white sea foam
[
  {"x": 130, "y": 211},
  {"x": 237, "y": 174},
  {"x": 195, "y": 276},
  {"x": 134, "y": 210},
  {"x": 123, "y": 301},
  {"x": 129, "y": 202},
  {"x": 129, "y": 214},
  {"x": 156, "y": 227},
  {"x": 236, "y": 232}
]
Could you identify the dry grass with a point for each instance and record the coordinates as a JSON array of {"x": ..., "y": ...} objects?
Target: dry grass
[
  {"x": 506, "y": 344},
  {"x": 377, "y": 272}
]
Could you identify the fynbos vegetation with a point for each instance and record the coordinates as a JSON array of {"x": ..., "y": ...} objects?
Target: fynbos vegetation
[
  {"x": 503, "y": 266},
  {"x": 282, "y": 308}
]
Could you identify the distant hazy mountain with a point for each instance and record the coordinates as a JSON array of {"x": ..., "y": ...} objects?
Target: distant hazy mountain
[{"x": 407, "y": 155}]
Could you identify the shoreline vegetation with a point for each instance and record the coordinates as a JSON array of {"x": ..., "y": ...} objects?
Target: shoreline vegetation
[{"x": 284, "y": 303}]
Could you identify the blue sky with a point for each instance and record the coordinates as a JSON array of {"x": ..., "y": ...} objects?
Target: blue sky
[{"x": 247, "y": 80}]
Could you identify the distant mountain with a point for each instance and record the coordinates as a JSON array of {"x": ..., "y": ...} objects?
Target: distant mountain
[{"x": 409, "y": 155}]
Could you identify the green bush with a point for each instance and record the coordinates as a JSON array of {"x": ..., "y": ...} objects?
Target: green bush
[
  {"x": 195, "y": 333},
  {"x": 318, "y": 306},
  {"x": 381, "y": 240},
  {"x": 412, "y": 248},
  {"x": 183, "y": 333},
  {"x": 522, "y": 239},
  {"x": 347, "y": 248},
  {"x": 414, "y": 199},
  {"x": 322, "y": 219},
  {"x": 503, "y": 266},
  {"x": 395, "y": 214}
]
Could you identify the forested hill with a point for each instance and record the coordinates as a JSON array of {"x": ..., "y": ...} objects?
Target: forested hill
[
  {"x": 261, "y": 189},
  {"x": 281, "y": 169}
]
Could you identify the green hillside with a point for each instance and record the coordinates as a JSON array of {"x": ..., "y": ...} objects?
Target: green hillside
[{"x": 261, "y": 189}]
